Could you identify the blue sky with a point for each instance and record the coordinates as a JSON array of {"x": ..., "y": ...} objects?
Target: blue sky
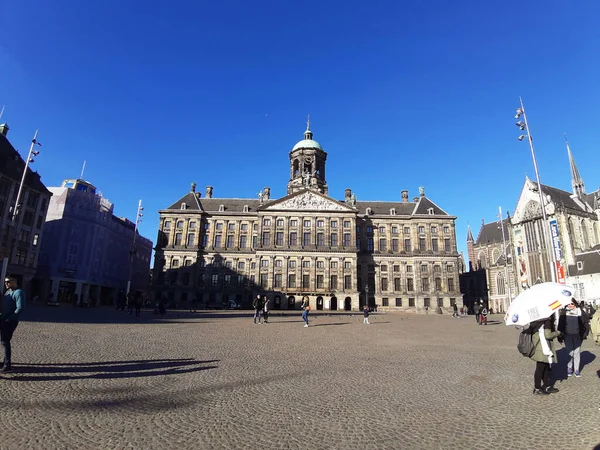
[{"x": 155, "y": 95}]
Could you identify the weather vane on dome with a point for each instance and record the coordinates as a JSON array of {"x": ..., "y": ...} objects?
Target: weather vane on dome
[{"x": 308, "y": 124}]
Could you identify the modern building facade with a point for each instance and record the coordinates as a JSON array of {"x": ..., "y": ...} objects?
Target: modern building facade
[
  {"x": 88, "y": 250},
  {"x": 340, "y": 253},
  {"x": 21, "y": 238}
]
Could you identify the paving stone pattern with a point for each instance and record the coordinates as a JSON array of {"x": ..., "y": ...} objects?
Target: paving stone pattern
[{"x": 90, "y": 379}]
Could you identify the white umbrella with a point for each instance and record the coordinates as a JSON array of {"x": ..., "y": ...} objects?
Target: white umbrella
[{"x": 539, "y": 302}]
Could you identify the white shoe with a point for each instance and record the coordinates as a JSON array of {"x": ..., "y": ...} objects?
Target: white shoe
[{"x": 306, "y": 326}]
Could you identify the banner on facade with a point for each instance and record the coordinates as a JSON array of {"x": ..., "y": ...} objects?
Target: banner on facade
[
  {"x": 560, "y": 273},
  {"x": 555, "y": 240}
]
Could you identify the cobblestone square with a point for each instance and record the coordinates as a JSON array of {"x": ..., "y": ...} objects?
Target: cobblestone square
[{"x": 93, "y": 378}]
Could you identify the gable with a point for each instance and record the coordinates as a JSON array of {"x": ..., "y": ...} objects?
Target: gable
[{"x": 308, "y": 201}]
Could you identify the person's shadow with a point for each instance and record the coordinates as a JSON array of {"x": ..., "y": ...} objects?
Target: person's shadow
[
  {"x": 107, "y": 369},
  {"x": 559, "y": 371}
]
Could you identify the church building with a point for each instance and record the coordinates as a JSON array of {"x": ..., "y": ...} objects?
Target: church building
[{"x": 222, "y": 252}]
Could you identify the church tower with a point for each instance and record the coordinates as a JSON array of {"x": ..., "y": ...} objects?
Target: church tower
[
  {"x": 470, "y": 248},
  {"x": 307, "y": 165},
  {"x": 576, "y": 181}
]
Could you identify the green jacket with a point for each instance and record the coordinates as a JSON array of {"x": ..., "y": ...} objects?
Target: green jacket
[{"x": 538, "y": 355}]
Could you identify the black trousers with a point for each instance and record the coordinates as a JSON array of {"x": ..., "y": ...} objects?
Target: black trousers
[
  {"x": 541, "y": 377},
  {"x": 7, "y": 328}
]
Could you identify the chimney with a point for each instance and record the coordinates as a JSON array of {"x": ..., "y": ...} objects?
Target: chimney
[
  {"x": 4, "y": 129},
  {"x": 209, "y": 190},
  {"x": 415, "y": 200},
  {"x": 266, "y": 193},
  {"x": 348, "y": 195},
  {"x": 193, "y": 187},
  {"x": 404, "y": 196}
]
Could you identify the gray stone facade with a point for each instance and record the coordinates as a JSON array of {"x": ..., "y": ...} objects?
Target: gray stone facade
[{"x": 216, "y": 250}]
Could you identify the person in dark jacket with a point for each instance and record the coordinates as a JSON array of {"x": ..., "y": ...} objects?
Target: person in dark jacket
[
  {"x": 544, "y": 355},
  {"x": 573, "y": 323},
  {"x": 12, "y": 305},
  {"x": 476, "y": 309}
]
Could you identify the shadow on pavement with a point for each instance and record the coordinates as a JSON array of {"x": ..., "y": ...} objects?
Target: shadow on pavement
[
  {"x": 106, "y": 370},
  {"x": 559, "y": 373},
  {"x": 329, "y": 324}
]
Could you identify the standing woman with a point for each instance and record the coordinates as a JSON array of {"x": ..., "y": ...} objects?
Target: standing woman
[
  {"x": 573, "y": 324},
  {"x": 266, "y": 310},
  {"x": 305, "y": 309},
  {"x": 544, "y": 355}
]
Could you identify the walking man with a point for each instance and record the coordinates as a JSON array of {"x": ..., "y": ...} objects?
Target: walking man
[
  {"x": 257, "y": 305},
  {"x": 12, "y": 305},
  {"x": 455, "y": 313},
  {"x": 366, "y": 314}
]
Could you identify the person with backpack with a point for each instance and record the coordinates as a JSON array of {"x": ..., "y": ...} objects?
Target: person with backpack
[
  {"x": 483, "y": 313},
  {"x": 542, "y": 336},
  {"x": 573, "y": 324}
]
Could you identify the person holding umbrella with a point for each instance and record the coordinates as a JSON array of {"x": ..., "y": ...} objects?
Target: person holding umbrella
[
  {"x": 544, "y": 355},
  {"x": 535, "y": 308}
]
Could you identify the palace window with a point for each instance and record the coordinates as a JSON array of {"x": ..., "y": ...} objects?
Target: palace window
[{"x": 293, "y": 238}]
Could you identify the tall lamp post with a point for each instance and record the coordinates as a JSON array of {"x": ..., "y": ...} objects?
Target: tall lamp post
[
  {"x": 367, "y": 295},
  {"x": 132, "y": 252},
  {"x": 17, "y": 208},
  {"x": 524, "y": 125},
  {"x": 506, "y": 274}
]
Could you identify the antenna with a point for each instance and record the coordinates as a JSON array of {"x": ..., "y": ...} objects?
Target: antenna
[
  {"x": 2, "y": 112},
  {"x": 82, "y": 170}
]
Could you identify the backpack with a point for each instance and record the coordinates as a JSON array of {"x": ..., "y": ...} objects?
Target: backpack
[{"x": 525, "y": 345}]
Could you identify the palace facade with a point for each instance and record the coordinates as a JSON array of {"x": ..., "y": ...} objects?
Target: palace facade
[{"x": 340, "y": 253}]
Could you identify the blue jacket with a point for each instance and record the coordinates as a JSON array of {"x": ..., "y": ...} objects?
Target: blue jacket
[{"x": 12, "y": 305}]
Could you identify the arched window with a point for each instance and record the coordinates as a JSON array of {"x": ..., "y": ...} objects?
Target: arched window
[
  {"x": 180, "y": 224},
  {"x": 584, "y": 235},
  {"x": 296, "y": 167},
  {"x": 597, "y": 232},
  {"x": 500, "y": 284},
  {"x": 482, "y": 260},
  {"x": 495, "y": 256},
  {"x": 572, "y": 234}
]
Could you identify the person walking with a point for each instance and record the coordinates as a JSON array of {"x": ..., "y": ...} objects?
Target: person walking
[
  {"x": 266, "y": 310},
  {"x": 455, "y": 313},
  {"x": 13, "y": 303},
  {"x": 476, "y": 310},
  {"x": 483, "y": 313},
  {"x": 366, "y": 315},
  {"x": 257, "y": 305},
  {"x": 305, "y": 309},
  {"x": 573, "y": 324},
  {"x": 138, "y": 305},
  {"x": 544, "y": 355},
  {"x": 193, "y": 304}
]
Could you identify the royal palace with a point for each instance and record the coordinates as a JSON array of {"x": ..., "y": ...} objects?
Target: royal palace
[{"x": 221, "y": 252}]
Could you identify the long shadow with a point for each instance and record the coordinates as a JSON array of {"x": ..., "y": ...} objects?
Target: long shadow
[
  {"x": 329, "y": 324},
  {"x": 559, "y": 372},
  {"x": 109, "y": 362},
  {"x": 110, "y": 370}
]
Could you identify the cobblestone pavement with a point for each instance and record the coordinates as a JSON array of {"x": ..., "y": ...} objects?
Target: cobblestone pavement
[{"x": 91, "y": 379}]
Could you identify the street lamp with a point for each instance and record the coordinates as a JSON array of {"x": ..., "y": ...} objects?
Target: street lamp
[
  {"x": 523, "y": 125},
  {"x": 17, "y": 208},
  {"x": 367, "y": 295},
  {"x": 132, "y": 252},
  {"x": 506, "y": 274}
]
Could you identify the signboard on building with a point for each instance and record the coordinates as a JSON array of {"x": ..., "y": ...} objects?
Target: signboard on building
[
  {"x": 560, "y": 273},
  {"x": 555, "y": 240}
]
